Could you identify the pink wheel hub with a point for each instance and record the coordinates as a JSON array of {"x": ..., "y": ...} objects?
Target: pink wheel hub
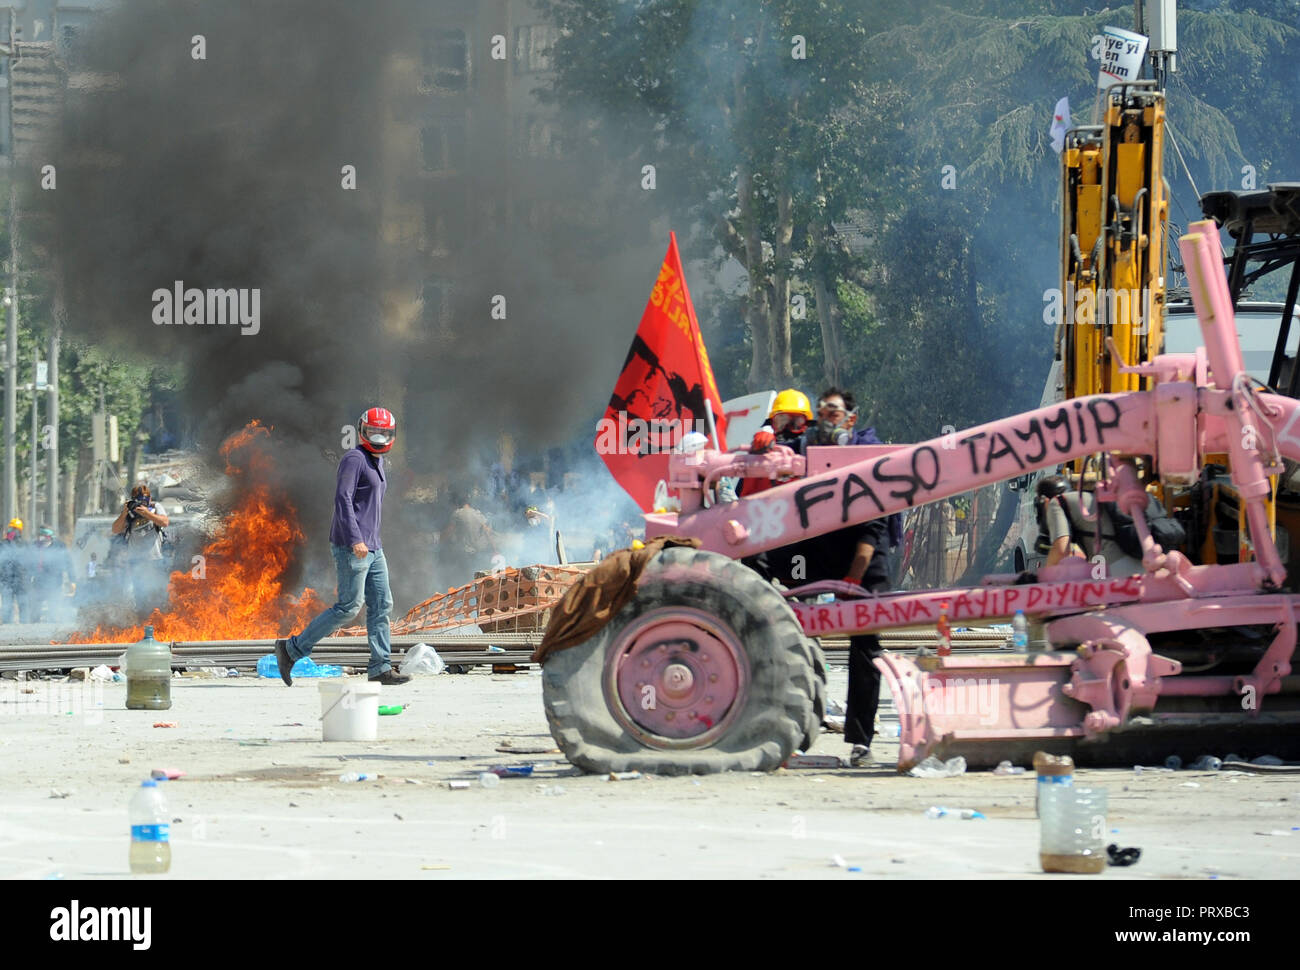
[{"x": 676, "y": 678}]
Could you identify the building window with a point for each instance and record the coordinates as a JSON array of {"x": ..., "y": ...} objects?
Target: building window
[
  {"x": 442, "y": 146},
  {"x": 533, "y": 48},
  {"x": 445, "y": 61}
]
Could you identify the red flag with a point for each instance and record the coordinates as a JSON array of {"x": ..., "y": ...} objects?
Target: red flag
[{"x": 661, "y": 393}]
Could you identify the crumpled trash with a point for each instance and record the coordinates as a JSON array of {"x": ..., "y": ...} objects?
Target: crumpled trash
[
  {"x": 1122, "y": 857},
  {"x": 942, "y": 811},
  {"x": 303, "y": 667},
  {"x": 932, "y": 767},
  {"x": 422, "y": 659},
  {"x": 1007, "y": 768},
  {"x": 102, "y": 674}
]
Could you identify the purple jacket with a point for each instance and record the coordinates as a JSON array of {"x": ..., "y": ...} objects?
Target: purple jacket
[{"x": 358, "y": 499}]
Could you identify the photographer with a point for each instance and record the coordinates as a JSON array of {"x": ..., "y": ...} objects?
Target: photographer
[{"x": 140, "y": 526}]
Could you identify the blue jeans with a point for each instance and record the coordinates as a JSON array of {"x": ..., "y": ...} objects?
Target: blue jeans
[{"x": 355, "y": 576}]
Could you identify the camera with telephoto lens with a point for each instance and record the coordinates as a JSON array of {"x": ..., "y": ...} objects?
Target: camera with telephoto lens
[{"x": 135, "y": 503}]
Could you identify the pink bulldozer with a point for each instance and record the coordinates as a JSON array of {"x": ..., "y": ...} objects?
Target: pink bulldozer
[{"x": 711, "y": 668}]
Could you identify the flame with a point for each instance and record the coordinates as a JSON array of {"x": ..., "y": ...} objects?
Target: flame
[{"x": 238, "y": 593}]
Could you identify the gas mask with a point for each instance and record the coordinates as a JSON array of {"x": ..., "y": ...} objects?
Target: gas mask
[{"x": 830, "y": 433}]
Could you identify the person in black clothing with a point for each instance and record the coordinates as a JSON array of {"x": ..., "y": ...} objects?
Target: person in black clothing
[{"x": 858, "y": 554}]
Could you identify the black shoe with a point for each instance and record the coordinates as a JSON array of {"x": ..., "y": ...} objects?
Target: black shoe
[
  {"x": 390, "y": 677},
  {"x": 861, "y": 757},
  {"x": 283, "y": 662}
]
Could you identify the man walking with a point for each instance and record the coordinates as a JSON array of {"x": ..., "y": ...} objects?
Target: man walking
[{"x": 354, "y": 540}]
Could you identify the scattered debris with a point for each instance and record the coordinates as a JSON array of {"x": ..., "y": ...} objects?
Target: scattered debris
[
  {"x": 1251, "y": 767},
  {"x": 512, "y": 771},
  {"x": 488, "y": 780},
  {"x": 435, "y": 867},
  {"x": 839, "y": 862},
  {"x": 624, "y": 775},
  {"x": 553, "y": 790},
  {"x": 509, "y": 747},
  {"x": 166, "y": 774},
  {"x": 166, "y": 724},
  {"x": 104, "y": 674},
  {"x": 1190, "y": 784},
  {"x": 1275, "y": 832},
  {"x": 386, "y": 710},
  {"x": 78, "y": 673},
  {"x": 422, "y": 659},
  {"x": 813, "y": 761},
  {"x": 1122, "y": 857},
  {"x": 940, "y": 811},
  {"x": 123, "y": 761},
  {"x": 932, "y": 767},
  {"x": 413, "y": 781},
  {"x": 457, "y": 785},
  {"x": 56, "y": 793},
  {"x": 1007, "y": 768}
]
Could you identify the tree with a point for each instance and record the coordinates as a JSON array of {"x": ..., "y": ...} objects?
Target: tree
[{"x": 751, "y": 113}]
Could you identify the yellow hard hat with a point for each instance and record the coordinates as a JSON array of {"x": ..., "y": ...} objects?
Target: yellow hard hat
[
  {"x": 791, "y": 401},
  {"x": 16, "y": 524}
]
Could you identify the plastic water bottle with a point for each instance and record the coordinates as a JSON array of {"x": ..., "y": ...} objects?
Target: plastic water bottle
[
  {"x": 151, "y": 849},
  {"x": 148, "y": 674},
  {"x": 354, "y": 776},
  {"x": 945, "y": 631},
  {"x": 1020, "y": 631}
]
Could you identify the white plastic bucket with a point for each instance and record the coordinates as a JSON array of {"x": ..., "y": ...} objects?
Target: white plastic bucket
[{"x": 349, "y": 710}]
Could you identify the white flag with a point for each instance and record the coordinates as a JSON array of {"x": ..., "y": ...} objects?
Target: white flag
[
  {"x": 1060, "y": 124},
  {"x": 1121, "y": 56}
]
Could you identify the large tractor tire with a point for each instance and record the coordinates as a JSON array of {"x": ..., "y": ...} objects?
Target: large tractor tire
[
  {"x": 814, "y": 725},
  {"x": 705, "y": 670}
]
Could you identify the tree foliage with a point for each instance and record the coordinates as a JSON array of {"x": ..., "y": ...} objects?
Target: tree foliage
[{"x": 927, "y": 127}]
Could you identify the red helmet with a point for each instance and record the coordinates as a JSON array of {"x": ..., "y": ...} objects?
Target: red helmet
[{"x": 377, "y": 429}]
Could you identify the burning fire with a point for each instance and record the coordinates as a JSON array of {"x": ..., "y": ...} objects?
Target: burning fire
[{"x": 239, "y": 593}]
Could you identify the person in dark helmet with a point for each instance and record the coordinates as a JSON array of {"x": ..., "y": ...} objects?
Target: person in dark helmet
[
  {"x": 358, "y": 556},
  {"x": 1069, "y": 522}
]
